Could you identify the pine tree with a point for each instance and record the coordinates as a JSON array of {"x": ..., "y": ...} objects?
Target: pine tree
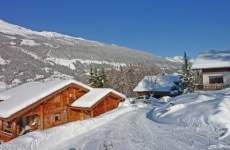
[
  {"x": 97, "y": 78},
  {"x": 103, "y": 78},
  {"x": 90, "y": 81},
  {"x": 93, "y": 77},
  {"x": 187, "y": 75}
]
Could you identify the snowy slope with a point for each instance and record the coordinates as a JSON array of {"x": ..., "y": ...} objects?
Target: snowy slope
[
  {"x": 178, "y": 59},
  {"x": 200, "y": 110}
]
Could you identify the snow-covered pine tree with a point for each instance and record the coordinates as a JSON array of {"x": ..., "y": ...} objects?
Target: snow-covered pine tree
[
  {"x": 188, "y": 78},
  {"x": 97, "y": 79},
  {"x": 103, "y": 78},
  {"x": 93, "y": 78},
  {"x": 90, "y": 80}
]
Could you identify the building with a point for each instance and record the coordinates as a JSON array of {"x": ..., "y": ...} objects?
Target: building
[
  {"x": 212, "y": 69},
  {"x": 41, "y": 105},
  {"x": 159, "y": 85}
]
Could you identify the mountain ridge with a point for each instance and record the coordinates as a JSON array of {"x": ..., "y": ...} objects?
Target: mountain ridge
[{"x": 32, "y": 55}]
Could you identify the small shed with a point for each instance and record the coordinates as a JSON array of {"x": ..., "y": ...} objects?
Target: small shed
[
  {"x": 95, "y": 102},
  {"x": 159, "y": 85}
]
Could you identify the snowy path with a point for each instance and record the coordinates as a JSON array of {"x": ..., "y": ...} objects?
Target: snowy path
[{"x": 134, "y": 131}]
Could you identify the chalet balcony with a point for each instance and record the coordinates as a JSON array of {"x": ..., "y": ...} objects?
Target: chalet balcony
[
  {"x": 215, "y": 86},
  {"x": 5, "y": 136}
]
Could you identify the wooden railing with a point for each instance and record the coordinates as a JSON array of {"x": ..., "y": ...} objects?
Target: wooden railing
[
  {"x": 199, "y": 87},
  {"x": 4, "y": 136},
  {"x": 214, "y": 86}
]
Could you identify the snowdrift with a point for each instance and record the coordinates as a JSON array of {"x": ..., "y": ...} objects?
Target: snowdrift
[{"x": 200, "y": 109}]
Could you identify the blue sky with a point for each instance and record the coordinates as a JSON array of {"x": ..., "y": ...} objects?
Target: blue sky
[{"x": 162, "y": 27}]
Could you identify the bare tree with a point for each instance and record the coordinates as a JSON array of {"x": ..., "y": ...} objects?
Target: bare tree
[{"x": 126, "y": 78}]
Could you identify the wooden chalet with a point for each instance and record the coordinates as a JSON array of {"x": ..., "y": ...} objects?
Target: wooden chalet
[
  {"x": 37, "y": 106},
  {"x": 212, "y": 70},
  {"x": 159, "y": 85}
]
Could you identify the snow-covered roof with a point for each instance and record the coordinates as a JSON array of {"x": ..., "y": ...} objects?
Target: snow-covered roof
[
  {"x": 162, "y": 83},
  {"x": 20, "y": 97},
  {"x": 93, "y": 96},
  {"x": 212, "y": 59}
]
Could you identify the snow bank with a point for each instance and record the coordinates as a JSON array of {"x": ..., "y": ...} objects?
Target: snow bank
[
  {"x": 200, "y": 109},
  {"x": 166, "y": 99},
  {"x": 47, "y": 139}
]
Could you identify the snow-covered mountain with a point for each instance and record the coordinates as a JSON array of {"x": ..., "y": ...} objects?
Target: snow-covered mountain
[
  {"x": 31, "y": 55},
  {"x": 177, "y": 59}
]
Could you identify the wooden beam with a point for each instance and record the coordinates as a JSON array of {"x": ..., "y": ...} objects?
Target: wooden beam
[
  {"x": 105, "y": 105},
  {"x": 1, "y": 124},
  {"x": 65, "y": 114},
  {"x": 14, "y": 128},
  {"x": 17, "y": 129},
  {"x": 91, "y": 113},
  {"x": 82, "y": 115},
  {"x": 41, "y": 114}
]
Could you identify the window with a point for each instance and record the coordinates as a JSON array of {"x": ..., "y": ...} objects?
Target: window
[
  {"x": 216, "y": 79},
  {"x": 70, "y": 95},
  {"x": 57, "y": 117},
  {"x": 33, "y": 120}
]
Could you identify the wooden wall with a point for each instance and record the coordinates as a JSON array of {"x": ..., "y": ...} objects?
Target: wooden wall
[
  {"x": 145, "y": 93},
  {"x": 56, "y": 109},
  {"x": 107, "y": 103},
  {"x": 75, "y": 114},
  {"x": 226, "y": 69}
]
